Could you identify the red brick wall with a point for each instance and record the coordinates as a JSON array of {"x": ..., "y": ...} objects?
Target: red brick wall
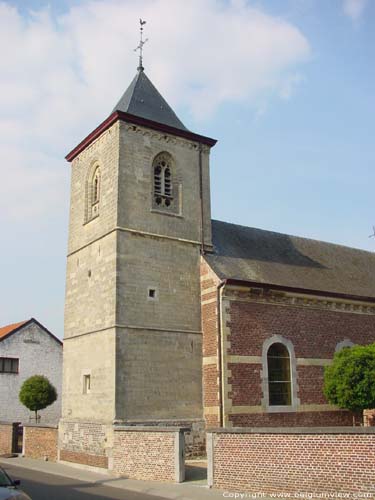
[
  {"x": 298, "y": 419},
  {"x": 84, "y": 458},
  {"x": 147, "y": 455},
  {"x": 209, "y": 281},
  {"x": 294, "y": 463},
  {"x": 314, "y": 334},
  {"x": 6, "y": 438},
  {"x": 40, "y": 442}
]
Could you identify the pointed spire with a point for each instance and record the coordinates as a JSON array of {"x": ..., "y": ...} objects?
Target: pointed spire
[
  {"x": 140, "y": 46},
  {"x": 142, "y": 99}
]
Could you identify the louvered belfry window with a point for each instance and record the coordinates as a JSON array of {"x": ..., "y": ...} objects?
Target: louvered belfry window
[{"x": 163, "y": 191}]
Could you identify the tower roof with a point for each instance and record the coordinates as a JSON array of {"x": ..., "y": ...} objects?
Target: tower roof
[{"x": 142, "y": 99}]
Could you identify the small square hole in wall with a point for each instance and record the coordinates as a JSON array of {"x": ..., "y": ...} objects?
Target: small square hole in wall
[{"x": 152, "y": 293}]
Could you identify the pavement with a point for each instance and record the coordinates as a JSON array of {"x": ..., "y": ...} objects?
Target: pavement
[{"x": 195, "y": 488}]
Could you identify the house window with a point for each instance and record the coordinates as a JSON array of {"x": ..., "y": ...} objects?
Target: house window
[
  {"x": 86, "y": 384},
  {"x": 279, "y": 375},
  {"x": 9, "y": 365},
  {"x": 163, "y": 183}
]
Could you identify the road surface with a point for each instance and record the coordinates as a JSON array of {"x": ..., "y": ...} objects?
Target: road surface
[{"x": 42, "y": 486}]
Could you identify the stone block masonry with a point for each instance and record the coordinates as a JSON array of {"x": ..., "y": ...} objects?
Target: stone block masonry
[
  {"x": 85, "y": 443},
  {"x": 40, "y": 442},
  {"x": 283, "y": 460},
  {"x": 149, "y": 453}
]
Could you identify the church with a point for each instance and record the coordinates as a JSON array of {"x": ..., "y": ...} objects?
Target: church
[{"x": 172, "y": 318}]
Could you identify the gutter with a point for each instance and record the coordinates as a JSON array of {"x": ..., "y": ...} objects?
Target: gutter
[
  {"x": 307, "y": 291},
  {"x": 201, "y": 196},
  {"x": 220, "y": 351}
]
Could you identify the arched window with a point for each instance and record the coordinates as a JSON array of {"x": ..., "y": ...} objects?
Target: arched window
[
  {"x": 93, "y": 192},
  {"x": 279, "y": 375},
  {"x": 163, "y": 184},
  {"x": 96, "y": 186}
]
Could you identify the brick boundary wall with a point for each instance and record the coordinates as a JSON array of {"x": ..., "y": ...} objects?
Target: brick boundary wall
[
  {"x": 40, "y": 442},
  {"x": 149, "y": 453},
  {"x": 7, "y": 437},
  {"x": 292, "y": 461}
]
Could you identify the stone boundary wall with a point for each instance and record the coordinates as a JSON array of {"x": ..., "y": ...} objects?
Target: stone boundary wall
[
  {"x": 7, "y": 437},
  {"x": 149, "y": 453},
  {"x": 292, "y": 460},
  {"x": 369, "y": 418},
  {"x": 85, "y": 443},
  {"x": 40, "y": 442}
]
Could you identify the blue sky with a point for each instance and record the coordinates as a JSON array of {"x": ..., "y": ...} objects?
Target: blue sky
[{"x": 286, "y": 86}]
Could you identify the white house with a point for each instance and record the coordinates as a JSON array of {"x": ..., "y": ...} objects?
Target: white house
[{"x": 28, "y": 348}]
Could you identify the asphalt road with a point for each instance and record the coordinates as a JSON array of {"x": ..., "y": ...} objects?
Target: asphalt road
[{"x": 42, "y": 486}]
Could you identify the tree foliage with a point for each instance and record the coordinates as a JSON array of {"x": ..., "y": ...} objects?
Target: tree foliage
[
  {"x": 349, "y": 382},
  {"x": 37, "y": 393}
]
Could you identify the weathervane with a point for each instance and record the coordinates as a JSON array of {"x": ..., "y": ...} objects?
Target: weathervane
[{"x": 140, "y": 46}]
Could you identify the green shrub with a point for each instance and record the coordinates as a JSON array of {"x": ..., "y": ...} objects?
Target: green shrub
[
  {"x": 349, "y": 382},
  {"x": 37, "y": 393}
]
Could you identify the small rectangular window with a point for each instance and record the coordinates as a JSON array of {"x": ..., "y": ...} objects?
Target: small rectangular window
[
  {"x": 9, "y": 365},
  {"x": 86, "y": 384},
  {"x": 152, "y": 293}
]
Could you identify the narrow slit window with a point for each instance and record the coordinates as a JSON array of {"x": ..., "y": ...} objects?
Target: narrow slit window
[
  {"x": 96, "y": 187},
  {"x": 86, "y": 384},
  {"x": 279, "y": 375}
]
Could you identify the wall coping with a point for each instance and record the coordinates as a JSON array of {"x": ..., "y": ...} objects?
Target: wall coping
[
  {"x": 292, "y": 430},
  {"x": 3, "y": 422},
  {"x": 42, "y": 426},
  {"x": 150, "y": 428}
]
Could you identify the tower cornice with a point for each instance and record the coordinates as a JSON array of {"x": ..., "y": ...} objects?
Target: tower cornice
[{"x": 136, "y": 120}]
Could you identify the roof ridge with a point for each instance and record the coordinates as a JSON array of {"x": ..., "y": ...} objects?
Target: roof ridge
[{"x": 297, "y": 237}]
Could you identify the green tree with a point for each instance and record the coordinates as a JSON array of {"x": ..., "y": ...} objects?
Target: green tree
[
  {"x": 37, "y": 393},
  {"x": 349, "y": 382}
]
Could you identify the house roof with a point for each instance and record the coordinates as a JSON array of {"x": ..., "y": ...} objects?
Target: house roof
[
  {"x": 8, "y": 330},
  {"x": 250, "y": 254},
  {"x": 142, "y": 99}
]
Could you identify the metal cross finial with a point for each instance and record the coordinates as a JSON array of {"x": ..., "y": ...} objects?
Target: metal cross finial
[{"x": 140, "y": 46}]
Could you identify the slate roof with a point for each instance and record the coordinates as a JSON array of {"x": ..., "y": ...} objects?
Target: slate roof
[
  {"x": 142, "y": 99},
  {"x": 250, "y": 254}
]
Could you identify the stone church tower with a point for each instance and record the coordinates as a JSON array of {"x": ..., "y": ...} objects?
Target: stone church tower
[{"x": 139, "y": 220}]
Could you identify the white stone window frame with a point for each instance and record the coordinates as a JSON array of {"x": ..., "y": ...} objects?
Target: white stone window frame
[
  {"x": 344, "y": 343},
  {"x": 92, "y": 205},
  {"x": 279, "y": 339}
]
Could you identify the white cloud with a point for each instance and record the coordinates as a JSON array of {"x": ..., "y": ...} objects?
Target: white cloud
[
  {"x": 354, "y": 8},
  {"x": 60, "y": 76}
]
